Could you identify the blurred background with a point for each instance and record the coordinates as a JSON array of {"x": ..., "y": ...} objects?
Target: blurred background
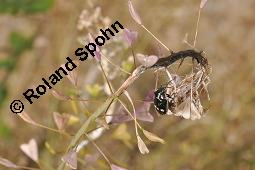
[{"x": 37, "y": 36}]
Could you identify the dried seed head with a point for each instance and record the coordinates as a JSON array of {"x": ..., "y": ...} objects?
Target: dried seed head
[{"x": 183, "y": 95}]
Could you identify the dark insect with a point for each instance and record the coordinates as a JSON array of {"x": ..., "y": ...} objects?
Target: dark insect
[
  {"x": 160, "y": 101},
  {"x": 164, "y": 101}
]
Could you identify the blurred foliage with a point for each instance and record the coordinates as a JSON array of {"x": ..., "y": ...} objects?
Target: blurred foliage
[
  {"x": 25, "y": 6},
  {"x": 5, "y": 131},
  {"x": 94, "y": 90},
  {"x": 127, "y": 65},
  {"x": 6, "y": 64},
  {"x": 3, "y": 93},
  {"x": 19, "y": 44}
]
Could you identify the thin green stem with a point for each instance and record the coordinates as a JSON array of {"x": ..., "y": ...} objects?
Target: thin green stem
[
  {"x": 108, "y": 82},
  {"x": 130, "y": 113},
  {"x": 133, "y": 54}
]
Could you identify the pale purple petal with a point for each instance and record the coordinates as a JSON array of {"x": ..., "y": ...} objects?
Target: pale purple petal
[
  {"x": 151, "y": 60},
  {"x": 98, "y": 55},
  {"x": 129, "y": 36},
  {"x": 142, "y": 113},
  {"x": 97, "y": 52},
  {"x": 202, "y": 4},
  {"x": 120, "y": 116},
  {"x": 147, "y": 61},
  {"x": 91, "y": 159},
  {"x": 70, "y": 159},
  {"x": 60, "y": 120},
  {"x": 30, "y": 149},
  {"x": 7, "y": 163},
  {"x": 150, "y": 96}
]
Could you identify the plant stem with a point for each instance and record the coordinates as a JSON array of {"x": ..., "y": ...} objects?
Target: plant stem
[
  {"x": 156, "y": 38},
  {"x": 198, "y": 19}
]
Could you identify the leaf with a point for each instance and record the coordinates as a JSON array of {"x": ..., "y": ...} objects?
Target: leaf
[
  {"x": 115, "y": 167},
  {"x": 153, "y": 137},
  {"x": 60, "y": 120},
  {"x": 141, "y": 145},
  {"x": 133, "y": 13},
  {"x": 147, "y": 61},
  {"x": 7, "y": 163},
  {"x": 27, "y": 118},
  {"x": 70, "y": 159},
  {"x": 202, "y": 3},
  {"x": 30, "y": 149}
]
